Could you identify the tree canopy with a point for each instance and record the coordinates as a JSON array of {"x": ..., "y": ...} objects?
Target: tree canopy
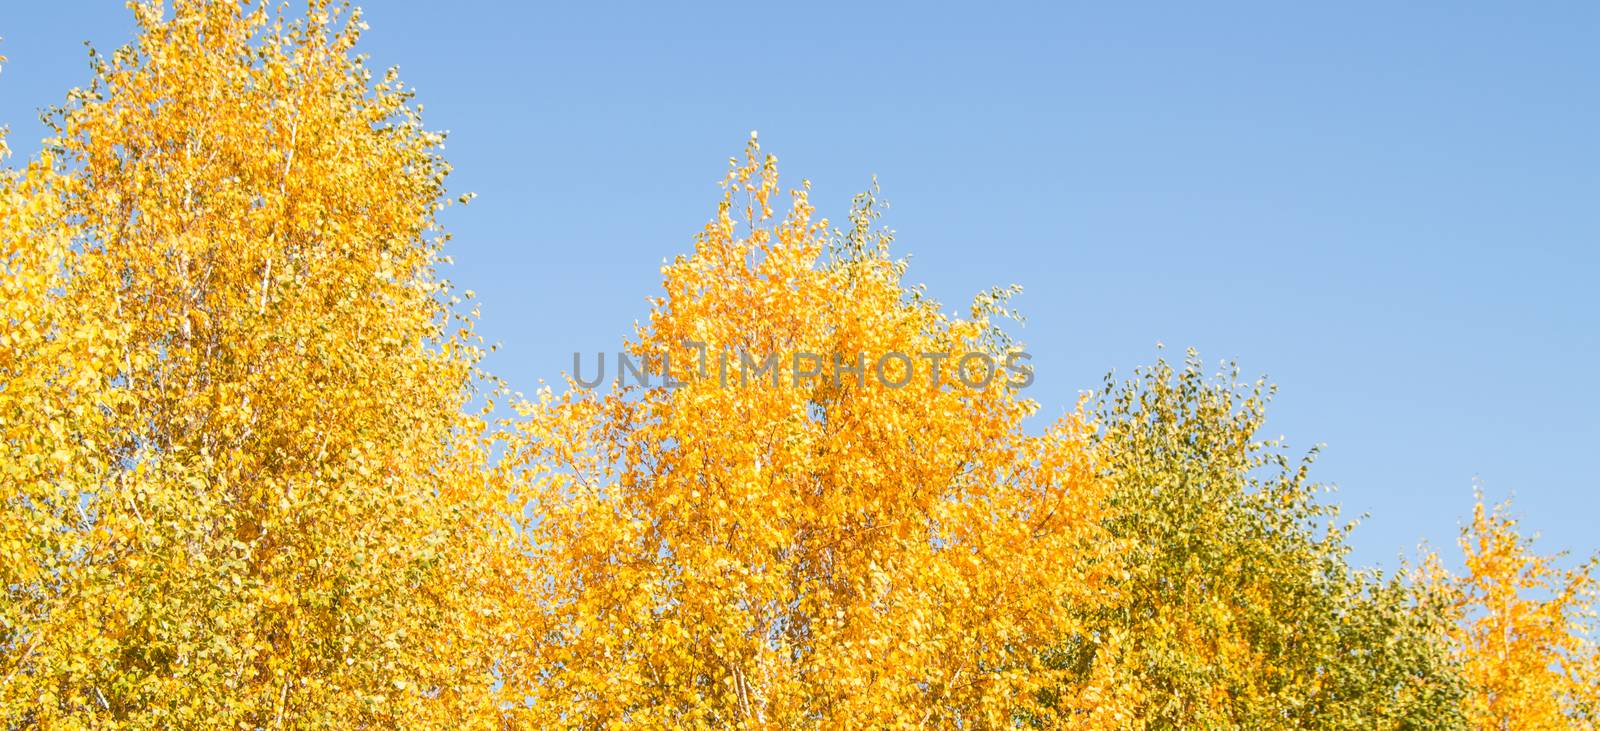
[{"x": 252, "y": 474}]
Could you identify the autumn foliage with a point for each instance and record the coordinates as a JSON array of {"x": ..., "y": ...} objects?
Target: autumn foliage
[
  {"x": 775, "y": 555},
  {"x": 251, "y": 475},
  {"x": 241, "y": 482},
  {"x": 1526, "y": 631}
]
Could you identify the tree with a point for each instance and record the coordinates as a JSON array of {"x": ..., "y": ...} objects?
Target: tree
[
  {"x": 837, "y": 551},
  {"x": 1526, "y": 632},
  {"x": 244, "y": 482},
  {"x": 1234, "y": 578}
]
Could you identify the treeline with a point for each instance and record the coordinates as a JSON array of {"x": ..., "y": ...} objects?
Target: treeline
[{"x": 252, "y": 475}]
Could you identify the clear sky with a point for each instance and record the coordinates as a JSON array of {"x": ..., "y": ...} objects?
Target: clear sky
[{"x": 1391, "y": 209}]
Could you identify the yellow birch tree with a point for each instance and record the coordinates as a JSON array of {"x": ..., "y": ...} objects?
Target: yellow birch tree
[
  {"x": 1527, "y": 633},
  {"x": 243, "y": 478},
  {"x": 837, "y": 552}
]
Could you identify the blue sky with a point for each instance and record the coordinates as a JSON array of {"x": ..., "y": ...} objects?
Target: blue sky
[{"x": 1391, "y": 211}]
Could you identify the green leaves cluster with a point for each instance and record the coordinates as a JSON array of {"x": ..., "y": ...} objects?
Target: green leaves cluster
[{"x": 1235, "y": 588}]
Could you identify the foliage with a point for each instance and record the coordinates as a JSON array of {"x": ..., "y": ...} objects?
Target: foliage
[
  {"x": 1527, "y": 632},
  {"x": 837, "y": 552},
  {"x": 250, "y": 476},
  {"x": 1234, "y": 578},
  {"x": 242, "y": 486}
]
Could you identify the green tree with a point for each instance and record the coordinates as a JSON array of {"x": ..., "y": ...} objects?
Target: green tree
[{"x": 1234, "y": 582}]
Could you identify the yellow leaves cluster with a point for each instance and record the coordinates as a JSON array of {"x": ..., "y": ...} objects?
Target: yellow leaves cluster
[
  {"x": 782, "y": 556},
  {"x": 1527, "y": 631},
  {"x": 240, "y": 481}
]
